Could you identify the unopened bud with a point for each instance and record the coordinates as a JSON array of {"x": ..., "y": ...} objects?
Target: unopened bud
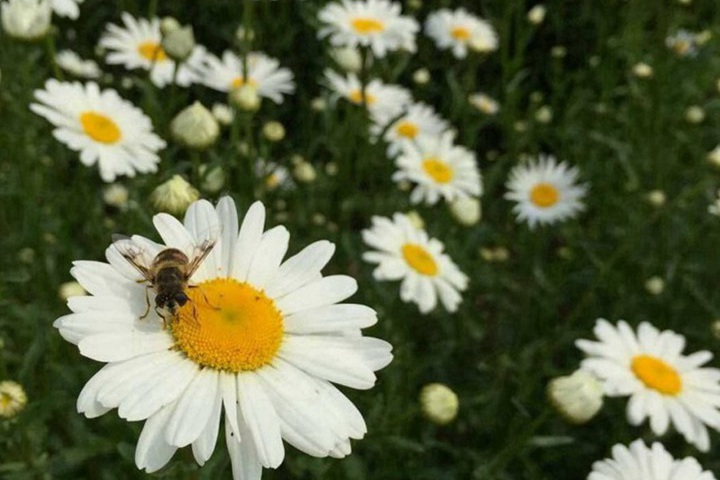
[
  {"x": 195, "y": 127},
  {"x": 439, "y": 403}
]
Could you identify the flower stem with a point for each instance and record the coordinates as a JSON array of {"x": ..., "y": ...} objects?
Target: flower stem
[{"x": 51, "y": 53}]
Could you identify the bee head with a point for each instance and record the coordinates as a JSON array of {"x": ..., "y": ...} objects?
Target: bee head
[{"x": 181, "y": 299}]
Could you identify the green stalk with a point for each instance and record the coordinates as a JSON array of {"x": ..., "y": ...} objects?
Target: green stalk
[{"x": 51, "y": 53}]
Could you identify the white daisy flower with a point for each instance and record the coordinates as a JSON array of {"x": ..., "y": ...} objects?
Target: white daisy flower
[
  {"x": 545, "y": 191},
  {"x": 682, "y": 43},
  {"x": 67, "y": 8},
  {"x": 103, "y": 127},
  {"x": 419, "y": 119},
  {"x": 371, "y": 23},
  {"x": 458, "y": 30},
  {"x": 663, "y": 384},
  {"x": 640, "y": 462},
  {"x": 264, "y": 73},
  {"x": 440, "y": 169},
  {"x": 406, "y": 253},
  {"x": 258, "y": 339},
  {"x": 72, "y": 63},
  {"x": 136, "y": 44},
  {"x": 383, "y": 100},
  {"x": 274, "y": 176}
]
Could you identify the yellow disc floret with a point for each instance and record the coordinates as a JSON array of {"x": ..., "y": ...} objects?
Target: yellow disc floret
[
  {"x": 419, "y": 259},
  {"x": 152, "y": 51},
  {"x": 438, "y": 170},
  {"x": 366, "y": 26},
  {"x": 99, "y": 127},
  {"x": 407, "y": 129},
  {"x": 356, "y": 97},
  {"x": 228, "y": 325},
  {"x": 656, "y": 374},
  {"x": 544, "y": 195},
  {"x": 460, "y": 33}
]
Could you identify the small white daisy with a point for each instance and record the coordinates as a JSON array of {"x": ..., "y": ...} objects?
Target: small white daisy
[
  {"x": 136, "y": 44},
  {"x": 259, "y": 342},
  {"x": 383, "y": 100},
  {"x": 103, "y": 127},
  {"x": 419, "y": 119},
  {"x": 682, "y": 43},
  {"x": 274, "y": 176},
  {"x": 458, "y": 30},
  {"x": 663, "y": 384},
  {"x": 640, "y": 462},
  {"x": 72, "y": 63},
  {"x": 373, "y": 23},
  {"x": 545, "y": 191},
  {"x": 67, "y": 8},
  {"x": 406, "y": 253},
  {"x": 264, "y": 73},
  {"x": 440, "y": 169}
]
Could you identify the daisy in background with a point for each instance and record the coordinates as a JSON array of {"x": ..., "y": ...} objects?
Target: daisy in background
[
  {"x": 377, "y": 24},
  {"x": 663, "y": 384},
  {"x": 264, "y": 73},
  {"x": 103, "y": 127},
  {"x": 545, "y": 191},
  {"x": 406, "y": 253},
  {"x": 75, "y": 65},
  {"x": 418, "y": 119},
  {"x": 640, "y": 462},
  {"x": 383, "y": 100},
  {"x": 459, "y": 30},
  {"x": 439, "y": 168},
  {"x": 136, "y": 44},
  {"x": 260, "y": 343},
  {"x": 66, "y": 8}
]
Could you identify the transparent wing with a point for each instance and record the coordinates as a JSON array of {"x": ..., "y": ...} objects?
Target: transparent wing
[
  {"x": 200, "y": 253},
  {"x": 134, "y": 254}
]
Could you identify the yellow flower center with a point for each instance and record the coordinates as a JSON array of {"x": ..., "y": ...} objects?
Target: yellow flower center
[
  {"x": 366, "y": 26},
  {"x": 407, "y": 129},
  {"x": 228, "y": 325},
  {"x": 656, "y": 374},
  {"x": 544, "y": 195},
  {"x": 240, "y": 81},
  {"x": 419, "y": 259},
  {"x": 100, "y": 127},
  {"x": 356, "y": 97},
  {"x": 460, "y": 33},
  {"x": 437, "y": 169},
  {"x": 152, "y": 51}
]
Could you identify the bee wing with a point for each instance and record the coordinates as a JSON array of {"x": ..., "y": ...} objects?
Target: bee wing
[
  {"x": 200, "y": 254},
  {"x": 133, "y": 253}
]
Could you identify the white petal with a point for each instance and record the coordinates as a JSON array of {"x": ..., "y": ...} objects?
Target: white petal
[
  {"x": 261, "y": 419},
  {"x": 228, "y": 390},
  {"x": 173, "y": 233},
  {"x": 248, "y": 240},
  {"x": 193, "y": 409},
  {"x": 115, "y": 347},
  {"x": 204, "y": 446},
  {"x": 331, "y": 318},
  {"x": 327, "y": 291},
  {"x": 300, "y": 269},
  {"x": 243, "y": 455},
  {"x": 152, "y": 452},
  {"x": 229, "y": 220},
  {"x": 269, "y": 255}
]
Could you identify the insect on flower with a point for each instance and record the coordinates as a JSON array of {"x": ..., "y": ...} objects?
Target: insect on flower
[{"x": 168, "y": 273}]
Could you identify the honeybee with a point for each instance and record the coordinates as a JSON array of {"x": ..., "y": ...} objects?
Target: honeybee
[{"x": 168, "y": 274}]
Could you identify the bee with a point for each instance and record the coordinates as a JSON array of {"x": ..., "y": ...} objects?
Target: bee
[{"x": 168, "y": 274}]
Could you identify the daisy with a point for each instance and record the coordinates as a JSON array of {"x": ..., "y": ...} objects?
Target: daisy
[
  {"x": 545, "y": 191},
  {"x": 640, "y": 462},
  {"x": 406, "y": 253},
  {"x": 264, "y": 73},
  {"x": 663, "y": 384},
  {"x": 66, "y": 8},
  {"x": 682, "y": 43},
  {"x": 136, "y": 44},
  {"x": 439, "y": 168},
  {"x": 372, "y": 23},
  {"x": 458, "y": 30},
  {"x": 258, "y": 342},
  {"x": 103, "y": 127},
  {"x": 383, "y": 101},
  {"x": 72, "y": 63},
  {"x": 419, "y": 119}
]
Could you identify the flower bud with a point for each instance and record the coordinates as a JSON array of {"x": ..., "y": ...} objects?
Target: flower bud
[
  {"x": 655, "y": 285},
  {"x": 694, "y": 114},
  {"x": 169, "y": 24},
  {"x": 544, "y": 114},
  {"x": 642, "y": 70},
  {"x": 195, "y": 127},
  {"x": 70, "y": 289},
  {"x": 179, "y": 43},
  {"x": 116, "y": 195},
  {"x": 421, "y": 76},
  {"x": 26, "y": 19},
  {"x": 245, "y": 98},
  {"x": 577, "y": 397},
  {"x": 273, "y": 131},
  {"x": 174, "y": 196},
  {"x": 536, "y": 15},
  {"x": 439, "y": 403},
  {"x": 466, "y": 211},
  {"x": 415, "y": 219},
  {"x": 656, "y": 198},
  {"x": 714, "y": 156},
  {"x": 347, "y": 58},
  {"x": 318, "y": 104},
  {"x": 483, "y": 103},
  {"x": 212, "y": 180},
  {"x": 12, "y": 398},
  {"x": 304, "y": 172},
  {"x": 223, "y": 114}
]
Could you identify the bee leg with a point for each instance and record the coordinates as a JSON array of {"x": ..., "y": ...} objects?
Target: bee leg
[
  {"x": 204, "y": 296},
  {"x": 161, "y": 316},
  {"x": 147, "y": 302}
]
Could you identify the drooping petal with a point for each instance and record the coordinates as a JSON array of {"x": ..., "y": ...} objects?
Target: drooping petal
[{"x": 152, "y": 451}]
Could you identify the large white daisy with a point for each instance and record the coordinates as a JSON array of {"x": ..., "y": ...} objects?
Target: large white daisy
[
  {"x": 439, "y": 168},
  {"x": 103, "y": 127},
  {"x": 264, "y": 73},
  {"x": 418, "y": 119},
  {"x": 406, "y": 253},
  {"x": 640, "y": 462},
  {"x": 377, "y": 24},
  {"x": 457, "y": 30},
  {"x": 136, "y": 44},
  {"x": 259, "y": 343},
  {"x": 383, "y": 100},
  {"x": 663, "y": 384},
  {"x": 545, "y": 191}
]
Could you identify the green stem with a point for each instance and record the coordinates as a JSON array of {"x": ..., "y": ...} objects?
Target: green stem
[
  {"x": 195, "y": 159},
  {"x": 250, "y": 162},
  {"x": 152, "y": 8},
  {"x": 51, "y": 53},
  {"x": 247, "y": 38}
]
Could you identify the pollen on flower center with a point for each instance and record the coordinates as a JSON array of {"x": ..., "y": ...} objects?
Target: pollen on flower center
[
  {"x": 656, "y": 374},
  {"x": 365, "y": 26},
  {"x": 152, "y": 51},
  {"x": 228, "y": 325},
  {"x": 240, "y": 81},
  {"x": 99, "y": 127},
  {"x": 544, "y": 195},
  {"x": 419, "y": 259},
  {"x": 460, "y": 33},
  {"x": 407, "y": 129},
  {"x": 356, "y": 97},
  {"x": 437, "y": 169}
]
